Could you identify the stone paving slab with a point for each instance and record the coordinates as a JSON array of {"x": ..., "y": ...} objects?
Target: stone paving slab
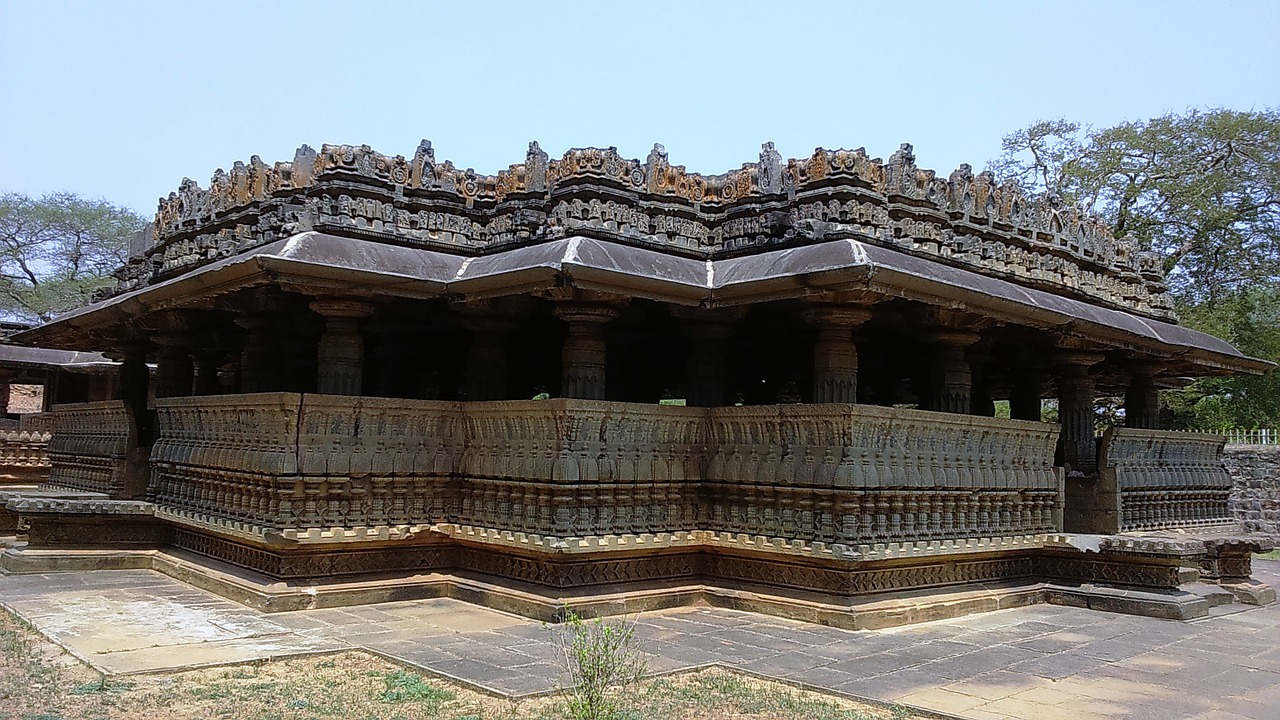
[{"x": 1041, "y": 661}]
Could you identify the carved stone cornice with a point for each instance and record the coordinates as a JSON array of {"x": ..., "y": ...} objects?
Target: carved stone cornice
[
  {"x": 836, "y": 315},
  {"x": 965, "y": 218},
  {"x": 341, "y": 308}
]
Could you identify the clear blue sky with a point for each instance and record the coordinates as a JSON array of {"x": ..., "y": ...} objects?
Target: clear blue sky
[{"x": 122, "y": 100}]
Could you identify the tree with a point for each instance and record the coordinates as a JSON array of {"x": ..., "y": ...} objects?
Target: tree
[
  {"x": 1202, "y": 189},
  {"x": 55, "y": 251}
]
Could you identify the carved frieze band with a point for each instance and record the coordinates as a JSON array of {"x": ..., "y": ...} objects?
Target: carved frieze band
[
  {"x": 833, "y": 474},
  {"x": 964, "y": 218}
]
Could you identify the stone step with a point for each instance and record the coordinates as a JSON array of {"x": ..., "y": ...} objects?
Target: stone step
[
  {"x": 1215, "y": 594},
  {"x": 1188, "y": 575}
]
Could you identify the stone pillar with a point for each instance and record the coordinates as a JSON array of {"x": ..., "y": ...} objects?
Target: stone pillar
[
  {"x": 707, "y": 331},
  {"x": 1075, "y": 409},
  {"x": 1026, "y": 394},
  {"x": 835, "y": 354},
  {"x": 174, "y": 369},
  {"x": 953, "y": 390},
  {"x": 135, "y": 378},
  {"x": 1142, "y": 399},
  {"x": 340, "y": 353},
  {"x": 257, "y": 359},
  {"x": 134, "y": 387},
  {"x": 228, "y": 375},
  {"x": 205, "y": 365},
  {"x": 583, "y": 358},
  {"x": 5, "y": 379},
  {"x": 982, "y": 402},
  {"x": 486, "y": 369}
]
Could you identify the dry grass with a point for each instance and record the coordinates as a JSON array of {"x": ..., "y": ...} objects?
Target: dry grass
[{"x": 40, "y": 681}]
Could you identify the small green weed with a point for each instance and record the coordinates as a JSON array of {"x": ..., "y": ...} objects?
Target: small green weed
[
  {"x": 404, "y": 686},
  {"x": 602, "y": 659},
  {"x": 101, "y": 686}
]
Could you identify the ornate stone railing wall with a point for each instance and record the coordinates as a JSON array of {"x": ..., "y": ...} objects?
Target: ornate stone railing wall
[
  {"x": 850, "y": 474},
  {"x": 1163, "y": 479},
  {"x": 90, "y": 447},
  {"x": 859, "y": 475},
  {"x": 580, "y": 468},
  {"x": 290, "y": 461},
  {"x": 24, "y": 456},
  {"x": 37, "y": 422},
  {"x": 965, "y": 219}
]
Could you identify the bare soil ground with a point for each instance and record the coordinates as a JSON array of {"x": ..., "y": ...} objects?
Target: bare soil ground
[{"x": 40, "y": 681}]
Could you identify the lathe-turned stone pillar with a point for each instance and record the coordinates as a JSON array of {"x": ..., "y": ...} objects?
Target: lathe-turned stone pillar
[
  {"x": 835, "y": 354},
  {"x": 953, "y": 389},
  {"x": 707, "y": 331},
  {"x": 582, "y": 360},
  {"x": 340, "y": 352},
  {"x": 175, "y": 372},
  {"x": 1076, "y": 396},
  {"x": 1026, "y": 394},
  {"x": 257, "y": 367},
  {"x": 982, "y": 402},
  {"x": 490, "y": 323},
  {"x": 1142, "y": 398},
  {"x": 133, "y": 386},
  {"x": 6, "y": 378},
  {"x": 205, "y": 364}
]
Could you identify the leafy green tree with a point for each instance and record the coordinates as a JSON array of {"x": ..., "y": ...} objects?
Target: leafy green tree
[
  {"x": 1202, "y": 189},
  {"x": 56, "y": 250}
]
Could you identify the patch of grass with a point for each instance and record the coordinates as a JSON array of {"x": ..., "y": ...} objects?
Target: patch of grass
[
  {"x": 404, "y": 686},
  {"x": 1272, "y": 555},
  {"x": 102, "y": 685},
  {"x": 717, "y": 693}
]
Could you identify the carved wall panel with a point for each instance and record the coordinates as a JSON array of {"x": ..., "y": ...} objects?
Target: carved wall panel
[
  {"x": 579, "y": 467},
  {"x": 291, "y": 461},
  {"x": 835, "y": 474},
  {"x": 857, "y": 474},
  {"x": 24, "y": 455},
  {"x": 90, "y": 445},
  {"x": 1165, "y": 479}
]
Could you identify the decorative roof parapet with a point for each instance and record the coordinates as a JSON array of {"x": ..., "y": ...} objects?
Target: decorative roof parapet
[{"x": 966, "y": 219}]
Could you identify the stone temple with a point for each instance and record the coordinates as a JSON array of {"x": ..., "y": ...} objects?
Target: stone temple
[{"x": 611, "y": 385}]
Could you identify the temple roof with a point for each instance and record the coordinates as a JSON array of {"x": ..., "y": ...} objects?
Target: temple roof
[
  {"x": 964, "y": 219},
  {"x": 17, "y": 356},
  {"x": 318, "y": 260}
]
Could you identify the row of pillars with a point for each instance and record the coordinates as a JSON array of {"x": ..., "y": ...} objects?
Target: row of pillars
[{"x": 340, "y": 362}]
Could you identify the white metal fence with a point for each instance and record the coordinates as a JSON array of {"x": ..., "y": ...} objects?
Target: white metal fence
[{"x": 1252, "y": 437}]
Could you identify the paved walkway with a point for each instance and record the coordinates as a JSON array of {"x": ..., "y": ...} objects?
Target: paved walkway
[{"x": 1041, "y": 662}]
